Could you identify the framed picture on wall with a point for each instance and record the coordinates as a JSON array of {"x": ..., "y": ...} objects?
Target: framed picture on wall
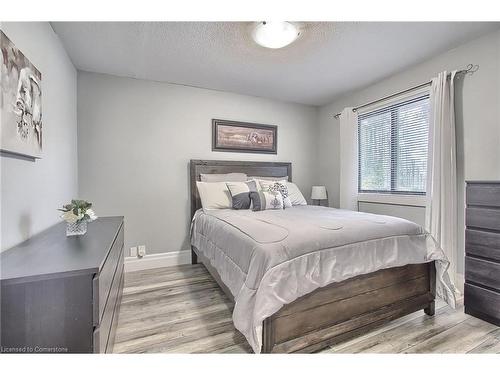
[
  {"x": 235, "y": 136},
  {"x": 20, "y": 102}
]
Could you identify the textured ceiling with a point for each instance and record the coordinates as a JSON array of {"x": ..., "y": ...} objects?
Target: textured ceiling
[{"x": 327, "y": 60}]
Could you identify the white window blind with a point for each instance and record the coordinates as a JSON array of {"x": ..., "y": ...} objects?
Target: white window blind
[{"x": 393, "y": 148}]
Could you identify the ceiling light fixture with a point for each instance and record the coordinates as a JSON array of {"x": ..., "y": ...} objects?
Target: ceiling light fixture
[{"x": 275, "y": 34}]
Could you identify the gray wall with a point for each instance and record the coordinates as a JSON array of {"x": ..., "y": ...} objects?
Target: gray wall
[
  {"x": 135, "y": 140},
  {"x": 32, "y": 191},
  {"x": 412, "y": 213},
  {"x": 477, "y": 120}
]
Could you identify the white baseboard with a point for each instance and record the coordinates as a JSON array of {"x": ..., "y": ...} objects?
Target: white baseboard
[{"x": 173, "y": 258}]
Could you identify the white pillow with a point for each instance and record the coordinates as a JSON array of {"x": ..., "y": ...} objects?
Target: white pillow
[
  {"x": 269, "y": 178},
  {"x": 264, "y": 184},
  {"x": 214, "y": 195},
  {"x": 295, "y": 195},
  {"x": 282, "y": 187},
  {"x": 264, "y": 200},
  {"x": 223, "y": 177}
]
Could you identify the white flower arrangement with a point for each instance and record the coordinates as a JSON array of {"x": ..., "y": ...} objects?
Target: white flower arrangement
[{"x": 77, "y": 211}]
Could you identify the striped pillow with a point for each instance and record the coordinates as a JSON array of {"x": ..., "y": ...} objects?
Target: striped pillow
[
  {"x": 240, "y": 193},
  {"x": 266, "y": 200}
]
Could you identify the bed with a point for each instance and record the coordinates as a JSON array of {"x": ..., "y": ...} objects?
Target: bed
[{"x": 307, "y": 277}]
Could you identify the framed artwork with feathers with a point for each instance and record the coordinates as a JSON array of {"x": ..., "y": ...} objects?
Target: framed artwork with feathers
[{"x": 20, "y": 102}]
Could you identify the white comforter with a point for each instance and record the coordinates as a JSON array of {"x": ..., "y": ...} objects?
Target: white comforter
[{"x": 270, "y": 258}]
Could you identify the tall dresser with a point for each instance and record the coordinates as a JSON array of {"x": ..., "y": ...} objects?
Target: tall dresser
[
  {"x": 62, "y": 294},
  {"x": 482, "y": 249}
]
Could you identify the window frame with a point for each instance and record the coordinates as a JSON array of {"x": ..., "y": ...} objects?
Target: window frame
[{"x": 369, "y": 195}]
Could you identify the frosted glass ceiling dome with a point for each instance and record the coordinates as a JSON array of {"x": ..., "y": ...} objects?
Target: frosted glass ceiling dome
[{"x": 275, "y": 34}]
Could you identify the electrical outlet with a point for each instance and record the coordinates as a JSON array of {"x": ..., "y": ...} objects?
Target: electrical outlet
[
  {"x": 141, "y": 250},
  {"x": 133, "y": 251}
]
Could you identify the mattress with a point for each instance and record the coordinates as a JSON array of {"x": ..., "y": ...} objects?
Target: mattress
[{"x": 271, "y": 258}]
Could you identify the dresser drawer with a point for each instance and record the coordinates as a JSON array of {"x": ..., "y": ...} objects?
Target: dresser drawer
[
  {"x": 103, "y": 281},
  {"x": 482, "y": 301},
  {"x": 483, "y": 244},
  {"x": 116, "y": 313},
  {"x": 483, "y": 194},
  {"x": 483, "y": 218},
  {"x": 103, "y": 332},
  {"x": 482, "y": 272}
]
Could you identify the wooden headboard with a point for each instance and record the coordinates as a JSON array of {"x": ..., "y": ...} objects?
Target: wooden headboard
[{"x": 251, "y": 168}]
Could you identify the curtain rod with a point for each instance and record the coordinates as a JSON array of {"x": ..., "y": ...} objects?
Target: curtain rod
[{"x": 470, "y": 69}]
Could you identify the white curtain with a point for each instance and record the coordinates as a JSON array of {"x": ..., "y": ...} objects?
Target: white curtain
[
  {"x": 441, "y": 209},
  {"x": 349, "y": 159}
]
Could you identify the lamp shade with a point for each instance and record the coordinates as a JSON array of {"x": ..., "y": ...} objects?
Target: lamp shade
[{"x": 318, "y": 192}]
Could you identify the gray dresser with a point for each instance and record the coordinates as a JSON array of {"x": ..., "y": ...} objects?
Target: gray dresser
[
  {"x": 482, "y": 250},
  {"x": 62, "y": 294}
]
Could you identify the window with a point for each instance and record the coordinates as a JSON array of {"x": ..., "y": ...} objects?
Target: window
[{"x": 393, "y": 148}]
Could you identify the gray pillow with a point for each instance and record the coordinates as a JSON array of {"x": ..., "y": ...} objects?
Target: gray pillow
[
  {"x": 223, "y": 177},
  {"x": 240, "y": 193}
]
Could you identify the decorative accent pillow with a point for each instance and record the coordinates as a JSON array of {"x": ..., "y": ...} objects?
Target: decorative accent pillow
[
  {"x": 223, "y": 177},
  {"x": 266, "y": 200},
  {"x": 264, "y": 184},
  {"x": 240, "y": 193},
  {"x": 214, "y": 195},
  {"x": 268, "y": 184},
  {"x": 281, "y": 188},
  {"x": 296, "y": 197}
]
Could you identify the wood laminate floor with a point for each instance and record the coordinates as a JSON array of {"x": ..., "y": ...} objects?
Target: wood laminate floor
[{"x": 183, "y": 310}]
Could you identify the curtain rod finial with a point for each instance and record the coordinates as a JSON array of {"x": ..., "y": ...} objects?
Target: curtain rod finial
[{"x": 471, "y": 69}]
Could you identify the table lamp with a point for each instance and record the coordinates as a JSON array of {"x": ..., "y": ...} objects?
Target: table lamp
[{"x": 318, "y": 193}]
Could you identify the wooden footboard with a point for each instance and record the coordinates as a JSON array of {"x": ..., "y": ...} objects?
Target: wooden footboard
[
  {"x": 346, "y": 309},
  {"x": 349, "y": 308}
]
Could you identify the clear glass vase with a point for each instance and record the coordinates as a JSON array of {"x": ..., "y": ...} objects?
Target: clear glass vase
[{"x": 76, "y": 229}]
